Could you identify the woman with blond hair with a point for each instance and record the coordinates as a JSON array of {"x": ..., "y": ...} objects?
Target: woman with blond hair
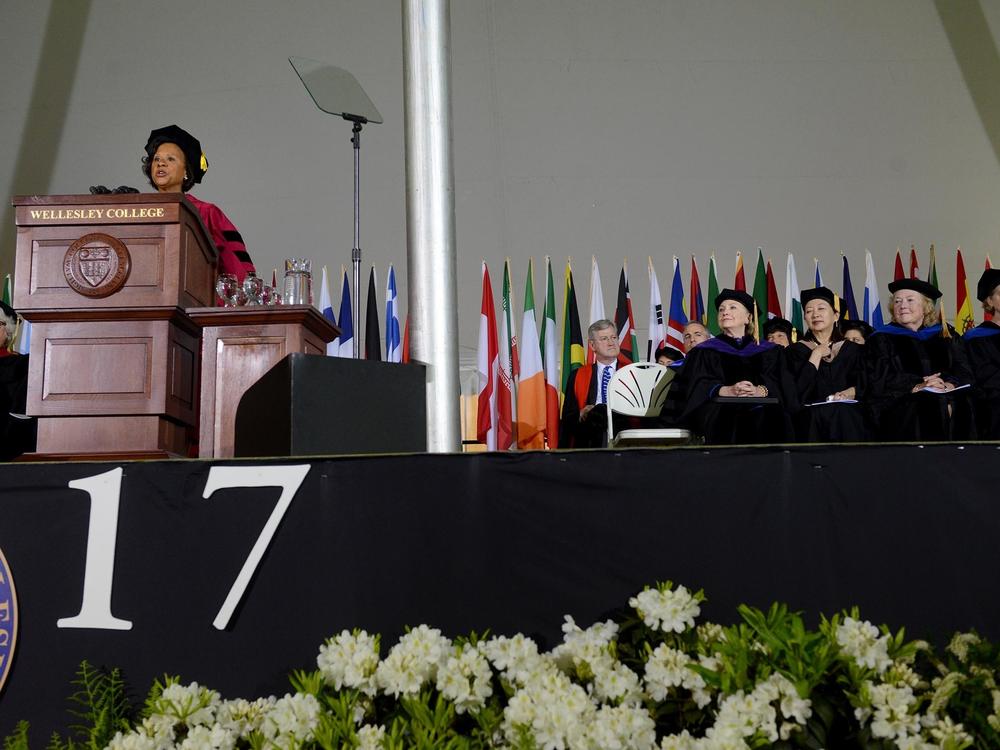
[
  {"x": 917, "y": 373},
  {"x": 730, "y": 388}
]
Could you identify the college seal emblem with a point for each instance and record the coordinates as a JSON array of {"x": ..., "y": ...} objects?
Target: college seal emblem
[
  {"x": 97, "y": 265},
  {"x": 8, "y": 619}
]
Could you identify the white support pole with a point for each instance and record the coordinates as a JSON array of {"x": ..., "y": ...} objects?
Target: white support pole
[{"x": 430, "y": 214}]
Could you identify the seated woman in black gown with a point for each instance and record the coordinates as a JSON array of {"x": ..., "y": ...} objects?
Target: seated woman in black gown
[
  {"x": 983, "y": 347},
  {"x": 826, "y": 370},
  {"x": 724, "y": 371},
  {"x": 913, "y": 368}
]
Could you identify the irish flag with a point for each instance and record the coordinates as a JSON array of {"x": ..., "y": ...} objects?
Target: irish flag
[
  {"x": 531, "y": 420},
  {"x": 550, "y": 357}
]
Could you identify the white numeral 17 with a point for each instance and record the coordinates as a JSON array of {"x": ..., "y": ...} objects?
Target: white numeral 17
[{"x": 102, "y": 533}]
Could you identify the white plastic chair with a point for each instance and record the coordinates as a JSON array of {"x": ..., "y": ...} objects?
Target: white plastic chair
[{"x": 640, "y": 390}]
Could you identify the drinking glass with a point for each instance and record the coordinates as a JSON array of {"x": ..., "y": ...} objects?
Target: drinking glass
[
  {"x": 226, "y": 287},
  {"x": 253, "y": 288}
]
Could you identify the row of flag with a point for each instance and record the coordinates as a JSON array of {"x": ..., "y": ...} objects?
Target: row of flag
[
  {"x": 396, "y": 339},
  {"x": 522, "y": 385}
]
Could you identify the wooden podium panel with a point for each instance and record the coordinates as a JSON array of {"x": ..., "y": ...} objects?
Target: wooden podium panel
[
  {"x": 171, "y": 261},
  {"x": 238, "y": 346},
  {"x": 104, "y": 280},
  {"x": 87, "y": 367},
  {"x": 121, "y": 385}
]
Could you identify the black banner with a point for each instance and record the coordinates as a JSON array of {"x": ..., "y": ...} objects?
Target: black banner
[{"x": 508, "y": 542}]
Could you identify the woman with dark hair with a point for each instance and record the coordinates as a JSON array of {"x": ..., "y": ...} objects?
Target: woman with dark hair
[
  {"x": 174, "y": 163},
  {"x": 729, "y": 389},
  {"x": 916, "y": 370},
  {"x": 983, "y": 346},
  {"x": 826, "y": 370},
  {"x": 855, "y": 330}
]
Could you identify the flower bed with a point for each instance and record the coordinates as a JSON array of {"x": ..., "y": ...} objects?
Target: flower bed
[{"x": 651, "y": 678}]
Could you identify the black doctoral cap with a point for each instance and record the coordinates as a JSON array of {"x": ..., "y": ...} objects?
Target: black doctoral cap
[
  {"x": 777, "y": 325},
  {"x": 820, "y": 292},
  {"x": 737, "y": 296},
  {"x": 196, "y": 162},
  {"x": 670, "y": 353},
  {"x": 9, "y": 311},
  {"x": 856, "y": 325},
  {"x": 917, "y": 285},
  {"x": 989, "y": 281}
]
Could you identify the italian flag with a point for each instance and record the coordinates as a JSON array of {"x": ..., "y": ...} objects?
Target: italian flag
[{"x": 531, "y": 421}]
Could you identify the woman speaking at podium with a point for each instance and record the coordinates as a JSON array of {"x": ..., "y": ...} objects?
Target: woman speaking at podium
[{"x": 173, "y": 163}]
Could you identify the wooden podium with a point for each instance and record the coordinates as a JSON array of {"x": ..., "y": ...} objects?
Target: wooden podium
[
  {"x": 239, "y": 345},
  {"x": 105, "y": 281}
]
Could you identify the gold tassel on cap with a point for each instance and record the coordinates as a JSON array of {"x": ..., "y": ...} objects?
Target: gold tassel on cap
[
  {"x": 756, "y": 324},
  {"x": 204, "y": 162}
]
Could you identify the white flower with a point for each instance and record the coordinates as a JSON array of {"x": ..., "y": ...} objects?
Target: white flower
[
  {"x": 621, "y": 728},
  {"x": 192, "y": 704},
  {"x": 944, "y": 688},
  {"x": 915, "y": 743},
  {"x": 241, "y": 717},
  {"x": 371, "y": 737},
  {"x": 134, "y": 741},
  {"x": 551, "y": 709},
  {"x": 349, "y": 660},
  {"x": 891, "y": 717},
  {"x": 465, "y": 679},
  {"x": 947, "y": 731},
  {"x": 413, "y": 662},
  {"x": 960, "y": 643},
  {"x": 515, "y": 658},
  {"x": 682, "y": 741},
  {"x": 666, "y": 668},
  {"x": 292, "y": 720},
  {"x": 584, "y": 652},
  {"x": 206, "y": 738},
  {"x": 666, "y": 610},
  {"x": 861, "y": 642},
  {"x": 710, "y": 633},
  {"x": 792, "y": 705},
  {"x": 615, "y": 682}
]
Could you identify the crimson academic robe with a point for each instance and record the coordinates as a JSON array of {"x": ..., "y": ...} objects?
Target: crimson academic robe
[
  {"x": 233, "y": 255},
  {"x": 982, "y": 344}
]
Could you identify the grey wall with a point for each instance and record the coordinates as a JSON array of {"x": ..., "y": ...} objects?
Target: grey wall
[{"x": 623, "y": 128}]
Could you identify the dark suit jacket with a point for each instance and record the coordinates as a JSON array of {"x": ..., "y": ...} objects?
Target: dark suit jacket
[{"x": 593, "y": 431}]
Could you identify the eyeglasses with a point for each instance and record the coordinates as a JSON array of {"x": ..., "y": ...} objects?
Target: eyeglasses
[{"x": 605, "y": 339}]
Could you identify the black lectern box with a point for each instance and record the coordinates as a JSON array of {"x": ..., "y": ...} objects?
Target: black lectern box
[{"x": 310, "y": 405}]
